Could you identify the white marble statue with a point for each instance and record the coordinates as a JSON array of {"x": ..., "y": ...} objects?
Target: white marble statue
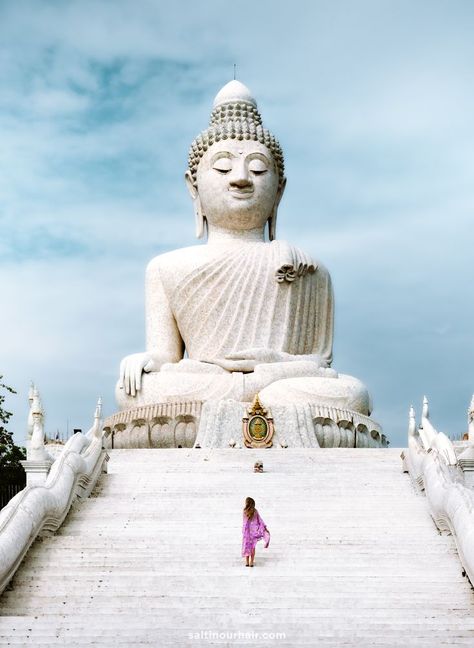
[{"x": 240, "y": 314}]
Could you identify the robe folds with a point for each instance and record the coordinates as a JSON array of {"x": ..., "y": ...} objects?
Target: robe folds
[
  {"x": 259, "y": 295},
  {"x": 253, "y": 530}
]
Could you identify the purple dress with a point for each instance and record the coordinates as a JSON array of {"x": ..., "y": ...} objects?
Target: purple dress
[{"x": 253, "y": 530}]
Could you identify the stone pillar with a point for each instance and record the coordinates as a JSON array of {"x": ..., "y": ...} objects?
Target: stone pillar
[
  {"x": 470, "y": 421},
  {"x": 38, "y": 461},
  {"x": 36, "y": 471}
]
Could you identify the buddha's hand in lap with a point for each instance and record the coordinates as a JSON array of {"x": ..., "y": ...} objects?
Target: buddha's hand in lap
[
  {"x": 132, "y": 368},
  {"x": 247, "y": 359}
]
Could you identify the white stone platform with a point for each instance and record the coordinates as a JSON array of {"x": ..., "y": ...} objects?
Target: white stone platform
[{"x": 154, "y": 555}]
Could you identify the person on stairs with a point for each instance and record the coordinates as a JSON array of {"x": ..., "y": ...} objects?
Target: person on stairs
[{"x": 253, "y": 530}]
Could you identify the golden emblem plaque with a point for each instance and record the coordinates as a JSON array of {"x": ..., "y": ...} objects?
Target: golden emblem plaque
[{"x": 257, "y": 426}]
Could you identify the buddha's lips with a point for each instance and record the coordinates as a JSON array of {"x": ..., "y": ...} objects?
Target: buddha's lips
[{"x": 241, "y": 193}]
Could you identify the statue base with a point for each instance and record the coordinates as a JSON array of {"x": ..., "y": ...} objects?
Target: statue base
[{"x": 218, "y": 424}]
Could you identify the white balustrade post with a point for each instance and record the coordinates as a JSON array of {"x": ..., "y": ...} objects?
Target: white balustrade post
[
  {"x": 470, "y": 421},
  {"x": 38, "y": 461},
  {"x": 425, "y": 410},
  {"x": 411, "y": 422},
  {"x": 411, "y": 433},
  {"x": 31, "y": 394}
]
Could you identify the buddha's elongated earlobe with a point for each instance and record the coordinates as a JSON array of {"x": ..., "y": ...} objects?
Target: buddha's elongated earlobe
[
  {"x": 273, "y": 218},
  {"x": 193, "y": 192},
  {"x": 272, "y": 224},
  {"x": 200, "y": 219}
]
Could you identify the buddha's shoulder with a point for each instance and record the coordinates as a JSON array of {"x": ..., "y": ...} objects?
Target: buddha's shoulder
[
  {"x": 296, "y": 256},
  {"x": 176, "y": 261}
]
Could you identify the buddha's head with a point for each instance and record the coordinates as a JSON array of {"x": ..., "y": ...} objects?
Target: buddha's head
[{"x": 236, "y": 170}]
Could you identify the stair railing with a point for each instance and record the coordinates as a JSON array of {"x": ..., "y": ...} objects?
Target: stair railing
[
  {"x": 40, "y": 508},
  {"x": 432, "y": 463}
]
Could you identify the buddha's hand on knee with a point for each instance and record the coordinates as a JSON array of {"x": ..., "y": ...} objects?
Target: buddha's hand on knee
[{"x": 131, "y": 370}]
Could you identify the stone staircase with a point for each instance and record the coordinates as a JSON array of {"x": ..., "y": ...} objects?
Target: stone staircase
[{"x": 153, "y": 558}]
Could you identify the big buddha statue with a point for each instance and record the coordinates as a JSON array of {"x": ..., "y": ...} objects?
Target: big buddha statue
[{"x": 242, "y": 314}]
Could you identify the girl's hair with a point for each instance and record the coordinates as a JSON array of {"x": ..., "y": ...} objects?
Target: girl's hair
[{"x": 249, "y": 509}]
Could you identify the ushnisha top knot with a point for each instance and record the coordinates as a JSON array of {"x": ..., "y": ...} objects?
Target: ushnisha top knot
[
  {"x": 235, "y": 116},
  {"x": 233, "y": 92},
  {"x": 234, "y": 102}
]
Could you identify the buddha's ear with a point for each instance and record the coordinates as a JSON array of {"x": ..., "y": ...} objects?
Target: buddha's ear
[
  {"x": 192, "y": 187},
  {"x": 281, "y": 190},
  {"x": 273, "y": 218},
  {"x": 193, "y": 191}
]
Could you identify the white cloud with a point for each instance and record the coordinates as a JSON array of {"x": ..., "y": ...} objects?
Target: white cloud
[{"x": 54, "y": 102}]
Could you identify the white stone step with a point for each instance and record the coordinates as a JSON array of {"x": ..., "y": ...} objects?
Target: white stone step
[{"x": 355, "y": 559}]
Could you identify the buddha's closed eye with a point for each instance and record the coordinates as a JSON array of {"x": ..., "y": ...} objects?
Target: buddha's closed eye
[
  {"x": 222, "y": 165},
  {"x": 257, "y": 167}
]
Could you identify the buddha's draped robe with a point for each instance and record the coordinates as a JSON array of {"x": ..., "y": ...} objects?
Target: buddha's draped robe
[{"x": 265, "y": 295}]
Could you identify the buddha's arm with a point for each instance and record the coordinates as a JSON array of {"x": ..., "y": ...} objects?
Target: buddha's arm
[
  {"x": 163, "y": 341},
  {"x": 324, "y": 317}
]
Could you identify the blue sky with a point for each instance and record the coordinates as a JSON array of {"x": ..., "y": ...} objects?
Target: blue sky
[{"x": 372, "y": 103}]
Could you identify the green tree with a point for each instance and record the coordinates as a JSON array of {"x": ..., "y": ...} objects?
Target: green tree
[{"x": 10, "y": 453}]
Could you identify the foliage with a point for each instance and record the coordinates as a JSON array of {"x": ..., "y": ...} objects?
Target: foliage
[{"x": 10, "y": 454}]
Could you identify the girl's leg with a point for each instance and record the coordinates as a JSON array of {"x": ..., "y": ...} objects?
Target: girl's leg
[
  {"x": 247, "y": 561},
  {"x": 252, "y": 557}
]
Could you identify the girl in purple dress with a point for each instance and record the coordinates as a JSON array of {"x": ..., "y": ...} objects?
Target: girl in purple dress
[{"x": 253, "y": 530}]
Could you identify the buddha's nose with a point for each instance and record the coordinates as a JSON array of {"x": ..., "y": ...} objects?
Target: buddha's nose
[{"x": 240, "y": 176}]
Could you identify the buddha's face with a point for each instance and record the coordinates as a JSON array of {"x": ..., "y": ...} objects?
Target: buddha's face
[{"x": 237, "y": 184}]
